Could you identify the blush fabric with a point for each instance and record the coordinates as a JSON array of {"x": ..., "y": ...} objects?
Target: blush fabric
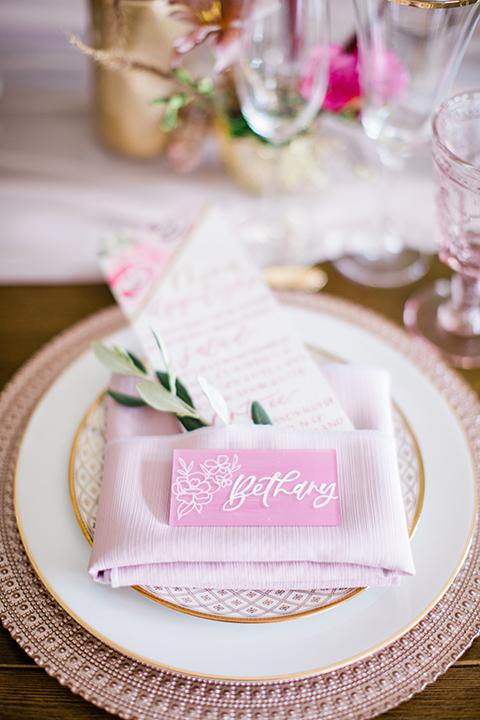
[{"x": 135, "y": 545}]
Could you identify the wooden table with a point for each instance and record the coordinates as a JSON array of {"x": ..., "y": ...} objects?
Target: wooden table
[{"x": 29, "y": 316}]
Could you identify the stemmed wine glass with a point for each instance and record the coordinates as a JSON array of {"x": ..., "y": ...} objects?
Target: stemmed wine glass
[
  {"x": 448, "y": 312},
  {"x": 281, "y": 79},
  {"x": 409, "y": 52}
]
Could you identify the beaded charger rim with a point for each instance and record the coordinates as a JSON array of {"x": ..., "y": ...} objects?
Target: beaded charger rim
[{"x": 135, "y": 689}]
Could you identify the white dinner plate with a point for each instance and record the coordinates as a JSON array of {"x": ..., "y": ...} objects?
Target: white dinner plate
[{"x": 146, "y": 630}]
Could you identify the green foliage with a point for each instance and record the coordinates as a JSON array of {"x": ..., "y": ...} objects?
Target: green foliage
[
  {"x": 195, "y": 91},
  {"x": 117, "y": 360},
  {"x": 168, "y": 394},
  {"x": 215, "y": 398},
  {"x": 175, "y": 102},
  {"x": 137, "y": 362},
  {"x": 259, "y": 416},
  {"x": 181, "y": 390},
  {"x": 183, "y": 76},
  {"x": 205, "y": 86},
  {"x": 172, "y": 376},
  {"x": 161, "y": 399},
  {"x": 238, "y": 127},
  {"x": 188, "y": 423},
  {"x": 128, "y": 400}
]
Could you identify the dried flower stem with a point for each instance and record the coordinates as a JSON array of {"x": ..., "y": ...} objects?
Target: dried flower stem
[
  {"x": 119, "y": 12},
  {"x": 116, "y": 61}
]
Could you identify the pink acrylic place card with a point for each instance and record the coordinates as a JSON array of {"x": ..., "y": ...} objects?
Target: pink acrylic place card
[{"x": 254, "y": 488}]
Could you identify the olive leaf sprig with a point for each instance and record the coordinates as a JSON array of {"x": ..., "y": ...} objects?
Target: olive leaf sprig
[
  {"x": 158, "y": 395},
  {"x": 168, "y": 394}
]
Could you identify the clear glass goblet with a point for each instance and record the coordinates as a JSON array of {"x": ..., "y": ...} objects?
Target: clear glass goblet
[
  {"x": 409, "y": 53},
  {"x": 448, "y": 312},
  {"x": 281, "y": 80}
]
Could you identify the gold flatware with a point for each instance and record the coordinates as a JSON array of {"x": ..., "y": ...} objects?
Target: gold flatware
[{"x": 295, "y": 277}]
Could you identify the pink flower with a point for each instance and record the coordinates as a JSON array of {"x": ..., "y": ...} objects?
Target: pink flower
[
  {"x": 219, "y": 19},
  {"x": 343, "y": 83},
  {"x": 389, "y": 79},
  {"x": 134, "y": 273}
]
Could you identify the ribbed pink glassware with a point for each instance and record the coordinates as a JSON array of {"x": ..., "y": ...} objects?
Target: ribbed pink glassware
[{"x": 448, "y": 313}]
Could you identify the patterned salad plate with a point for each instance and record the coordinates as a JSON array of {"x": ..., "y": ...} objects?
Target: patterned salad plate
[
  {"x": 86, "y": 468},
  {"x": 138, "y": 658}
]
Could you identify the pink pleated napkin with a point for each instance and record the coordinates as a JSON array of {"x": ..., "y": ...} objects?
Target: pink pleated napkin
[{"x": 135, "y": 545}]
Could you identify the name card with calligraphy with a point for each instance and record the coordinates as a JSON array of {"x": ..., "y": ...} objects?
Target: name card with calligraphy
[{"x": 254, "y": 488}]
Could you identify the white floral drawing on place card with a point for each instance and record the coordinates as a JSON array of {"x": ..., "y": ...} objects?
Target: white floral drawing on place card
[{"x": 195, "y": 488}]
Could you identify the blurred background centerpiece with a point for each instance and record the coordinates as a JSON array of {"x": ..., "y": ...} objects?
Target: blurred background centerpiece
[
  {"x": 79, "y": 185},
  {"x": 163, "y": 82}
]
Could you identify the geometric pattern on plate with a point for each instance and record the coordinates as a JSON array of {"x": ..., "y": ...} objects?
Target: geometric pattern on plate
[{"x": 222, "y": 604}]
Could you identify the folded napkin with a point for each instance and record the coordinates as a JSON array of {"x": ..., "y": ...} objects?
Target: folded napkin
[{"x": 135, "y": 545}]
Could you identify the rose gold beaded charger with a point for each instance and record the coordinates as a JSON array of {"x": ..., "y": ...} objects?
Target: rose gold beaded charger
[{"x": 357, "y": 687}]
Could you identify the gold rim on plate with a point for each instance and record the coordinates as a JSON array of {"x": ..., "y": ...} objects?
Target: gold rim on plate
[{"x": 240, "y": 606}]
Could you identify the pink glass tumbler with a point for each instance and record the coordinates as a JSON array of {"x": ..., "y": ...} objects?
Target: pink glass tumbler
[{"x": 447, "y": 313}]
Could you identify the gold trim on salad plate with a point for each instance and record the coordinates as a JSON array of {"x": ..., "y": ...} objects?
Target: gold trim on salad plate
[{"x": 248, "y": 620}]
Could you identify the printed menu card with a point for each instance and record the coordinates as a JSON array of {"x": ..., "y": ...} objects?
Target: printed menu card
[{"x": 219, "y": 320}]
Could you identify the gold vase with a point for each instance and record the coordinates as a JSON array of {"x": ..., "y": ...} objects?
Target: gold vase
[
  {"x": 250, "y": 161},
  {"x": 126, "y": 120}
]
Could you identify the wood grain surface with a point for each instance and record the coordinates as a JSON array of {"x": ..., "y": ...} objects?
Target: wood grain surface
[{"x": 32, "y": 315}]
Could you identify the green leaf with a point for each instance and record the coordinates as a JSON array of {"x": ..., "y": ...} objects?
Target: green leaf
[
  {"x": 120, "y": 353},
  {"x": 160, "y": 101},
  {"x": 116, "y": 360},
  {"x": 177, "y": 101},
  {"x": 259, "y": 416},
  {"x": 182, "y": 391},
  {"x": 171, "y": 115},
  {"x": 170, "y": 120},
  {"x": 205, "y": 86},
  {"x": 189, "y": 423},
  {"x": 192, "y": 423},
  {"x": 184, "y": 77},
  {"x": 137, "y": 362},
  {"x": 215, "y": 398},
  {"x": 172, "y": 375},
  {"x": 239, "y": 127},
  {"x": 128, "y": 400},
  {"x": 159, "y": 398}
]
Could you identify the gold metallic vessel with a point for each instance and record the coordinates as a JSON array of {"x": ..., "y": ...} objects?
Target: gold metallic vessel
[{"x": 126, "y": 120}]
